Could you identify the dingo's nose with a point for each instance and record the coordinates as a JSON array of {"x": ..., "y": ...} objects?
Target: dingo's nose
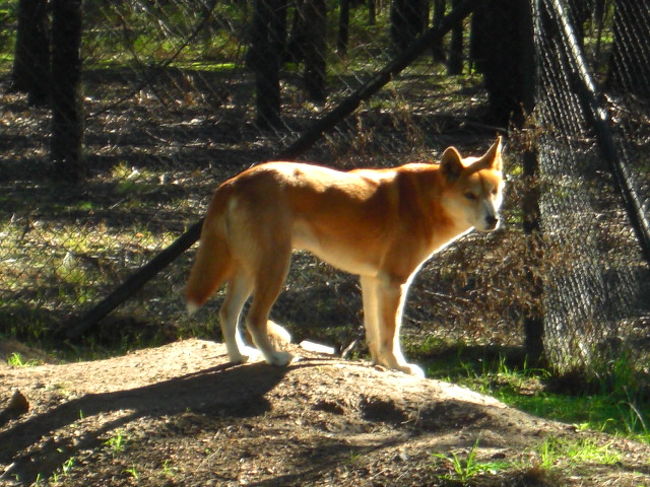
[{"x": 491, "y": 222}]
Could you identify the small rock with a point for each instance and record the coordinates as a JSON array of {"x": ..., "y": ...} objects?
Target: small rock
[{"x": 18, "y": 405}]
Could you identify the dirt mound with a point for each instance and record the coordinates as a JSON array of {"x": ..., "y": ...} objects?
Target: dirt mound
[{"x": 182, "y": 415}]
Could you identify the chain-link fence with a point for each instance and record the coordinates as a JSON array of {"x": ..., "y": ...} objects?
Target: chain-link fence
[
  {"x": 178, "y": 95},
  {"x": 593, "y": 160},
  {"x": 169, "y": 96}
]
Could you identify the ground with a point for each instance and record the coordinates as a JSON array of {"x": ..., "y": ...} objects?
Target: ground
[{"x": 182, "y": 415}]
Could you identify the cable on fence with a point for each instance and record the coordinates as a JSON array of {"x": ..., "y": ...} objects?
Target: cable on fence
[
  {"x": 76, "y": 327},
  {"x": 593, "y": 284},
  {"x": 599, "y": 119}
]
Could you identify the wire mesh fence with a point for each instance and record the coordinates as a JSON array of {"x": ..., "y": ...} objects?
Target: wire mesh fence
[
  {"x": 595, "y": 200},
  {"x": 170, "y": 111},
  {"x": 178, "y": 95}
]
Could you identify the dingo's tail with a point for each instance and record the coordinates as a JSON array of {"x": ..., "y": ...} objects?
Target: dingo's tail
[{"x": 211, "y": 268}]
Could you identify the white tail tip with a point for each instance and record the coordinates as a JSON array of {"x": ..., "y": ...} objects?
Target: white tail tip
[{"x": 191, "y": 307}]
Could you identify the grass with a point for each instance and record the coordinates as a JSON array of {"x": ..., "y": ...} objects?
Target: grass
[
  {"x": 168, "y": 469},
  {"x": 116, "y": 443},
  {"x": 218, "y": 67},
  {"x": 553, "y": 455},
  {"x": 59, "y": 265},
  {"x": 17, "y": 360},
  {"x": 464, "y": 468},
  {"x": 60, "y": 474},
  {"x": 600, "y": 412},
  {"x": 556, "y": 453},
  {"x": 617, "y": 411},
  {"x": 133, "y": 472}
]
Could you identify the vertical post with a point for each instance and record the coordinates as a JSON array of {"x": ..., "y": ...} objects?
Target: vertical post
[
  {"x": 66, "y": 146},
  {"x": 534, "y": 319}
]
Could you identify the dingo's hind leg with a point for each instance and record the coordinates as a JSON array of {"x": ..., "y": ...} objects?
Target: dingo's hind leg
[
  {"x": 238, "y": 291},
  {"x": 270, "y": 275}
]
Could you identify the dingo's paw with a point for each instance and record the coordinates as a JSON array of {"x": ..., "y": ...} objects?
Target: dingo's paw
[
  {"x": 279, "y": 359},
  {"x": 412, "y": 369},
  {"x": 244, "y": 354}
]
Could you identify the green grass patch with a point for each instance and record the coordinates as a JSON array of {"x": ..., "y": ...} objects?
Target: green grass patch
[
  {"x": 215, "y": 67},
  {"x": 601, "y": 412},
  {"x": 618, "y": 408},
  {"x": 554, "y": 455},
  {"x": 116, "y": 444},
  {"x": 463, "y": 468},
  {"x": 562, "y": 453},
  {"x": 18, "y": 361}
]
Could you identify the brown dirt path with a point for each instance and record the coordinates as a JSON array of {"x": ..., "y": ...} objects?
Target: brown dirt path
[{"x": 182, "y": 415}]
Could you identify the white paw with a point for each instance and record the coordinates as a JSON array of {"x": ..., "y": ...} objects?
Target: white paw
[
  {"x": 396, "y": 361},
  {"x": 244, "y": 354},
  {"x": 279, "y": 359},
  {"x": 412, "y": 369}
]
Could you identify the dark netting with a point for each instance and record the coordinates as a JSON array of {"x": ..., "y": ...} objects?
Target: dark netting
[
  {"x": 595, "y": 272},
  {"x": 179, "y": 95},
  {"x": 171, "y": 108}
]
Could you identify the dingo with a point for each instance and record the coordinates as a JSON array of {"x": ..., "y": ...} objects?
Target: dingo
[{"x": 381, "y": 224}]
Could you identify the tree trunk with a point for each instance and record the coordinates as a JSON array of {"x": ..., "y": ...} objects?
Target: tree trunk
[
  {"x": 629, "y": 69},
  {"x": 437, "y": 48},
  {"x": 294, "y": 52},
  {"x": 408, "y": 19},
  {"x": 372, "y": 12},
  {"x": 315, "y": 12},
  {"x": 598, "y": 19},
  {"x": 455, "y": 60},
  {"x": 496, "y": 46},
  {"x": 31, "y": 69},
  {"x": 344, "y": 28},
  {"x": 279, "y": 30},
  {"x": 265, "y": 61},
  {"x": 66, "y": 148}
]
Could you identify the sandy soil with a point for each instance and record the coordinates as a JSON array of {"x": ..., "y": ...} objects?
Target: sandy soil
[{"x": 182, "y": 415}]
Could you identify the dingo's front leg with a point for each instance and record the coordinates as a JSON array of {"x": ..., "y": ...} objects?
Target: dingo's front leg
[
  {"x": 388, "y": 295},
  {"x": 370, "y": 320}
]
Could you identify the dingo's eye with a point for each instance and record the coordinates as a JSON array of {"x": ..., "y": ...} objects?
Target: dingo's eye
[
  {"x": 471, "y": 196},
  {"x": 495, "y": 191}
]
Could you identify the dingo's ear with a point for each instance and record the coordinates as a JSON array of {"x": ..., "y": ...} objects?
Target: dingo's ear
[
  {"x": 451, "y": 164},
  {"x": 491, "y": 159}
]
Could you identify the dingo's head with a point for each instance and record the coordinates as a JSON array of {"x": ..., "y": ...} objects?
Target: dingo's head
[{"x": 474, "y": 188}]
